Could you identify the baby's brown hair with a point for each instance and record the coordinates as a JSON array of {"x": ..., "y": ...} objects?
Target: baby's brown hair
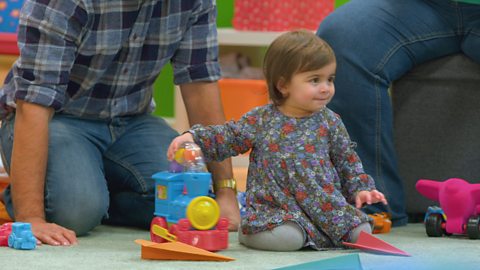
[{"x": 291, "y": 53}]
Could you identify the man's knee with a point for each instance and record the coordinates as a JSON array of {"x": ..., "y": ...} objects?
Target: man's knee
[{"x": 80, "y": 216}]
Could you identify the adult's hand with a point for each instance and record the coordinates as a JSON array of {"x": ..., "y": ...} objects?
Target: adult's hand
[{"x": 51, "y": 233}]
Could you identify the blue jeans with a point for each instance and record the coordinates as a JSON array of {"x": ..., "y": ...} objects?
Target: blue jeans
[
  {"x": 376, "y": 42},
  {"x": 99, "y": 170}
]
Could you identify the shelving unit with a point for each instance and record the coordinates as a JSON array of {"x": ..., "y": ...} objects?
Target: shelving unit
[{"x": 232, "y": 37}]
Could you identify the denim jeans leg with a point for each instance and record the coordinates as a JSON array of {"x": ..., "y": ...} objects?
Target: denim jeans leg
[
  {"x": 138, "y": 151},
  {"x": 471, "y": 22},
  {"x": 76, "y": 194},
  {"x": 6, "y": 144},
  {"x": 376, "y": 42}
]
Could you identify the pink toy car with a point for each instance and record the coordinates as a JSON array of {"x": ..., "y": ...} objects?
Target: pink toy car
[
  {"x": 5, "y": 231},
  {"x": 459, "y": 207}
]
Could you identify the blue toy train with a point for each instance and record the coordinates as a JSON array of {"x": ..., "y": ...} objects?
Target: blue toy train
[{"x": 184, "y": 208}]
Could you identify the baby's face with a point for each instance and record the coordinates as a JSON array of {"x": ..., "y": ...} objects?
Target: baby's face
[{"x": 308, "y": 92}]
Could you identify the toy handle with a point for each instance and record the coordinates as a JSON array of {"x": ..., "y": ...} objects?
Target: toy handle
[{"x": 162, "y": 232}]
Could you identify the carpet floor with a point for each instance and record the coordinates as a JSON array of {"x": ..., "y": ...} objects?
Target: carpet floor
[{"x": 114, "y": 248}]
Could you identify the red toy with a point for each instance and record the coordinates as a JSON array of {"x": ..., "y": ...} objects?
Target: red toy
[
  {"x": 5, "y": 231},
  {"x": 460, "y": 207},
  {"x": 212, "y": 240}
]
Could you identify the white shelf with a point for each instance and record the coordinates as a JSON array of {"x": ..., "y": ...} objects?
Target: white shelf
[{"x": 232, "y": 37}]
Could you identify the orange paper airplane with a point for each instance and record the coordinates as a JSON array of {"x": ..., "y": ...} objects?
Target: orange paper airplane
[
  {"x": 177, "y": 251},
  {"x": 369, "y": 242}
]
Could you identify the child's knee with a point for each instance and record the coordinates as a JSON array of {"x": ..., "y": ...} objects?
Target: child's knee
[
  {"x": 286, "y": 237},
  {"x": 365, "y": 227}
]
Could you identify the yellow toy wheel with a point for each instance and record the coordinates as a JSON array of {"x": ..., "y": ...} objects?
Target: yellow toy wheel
[{"x": 203, "y": 213}]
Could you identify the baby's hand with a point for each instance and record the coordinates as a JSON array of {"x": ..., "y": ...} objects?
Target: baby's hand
[
  {"x": 369, "y": 197},
  {"x": 176, "y": 143}
]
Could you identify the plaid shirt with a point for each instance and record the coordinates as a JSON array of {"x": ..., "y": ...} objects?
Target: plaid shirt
[{"x": 99, "y": 59}]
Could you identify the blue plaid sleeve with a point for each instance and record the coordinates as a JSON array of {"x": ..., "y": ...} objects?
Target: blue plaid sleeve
[
  {"x": 48, "y": 37},
  {"x": 197, "y": 56}
]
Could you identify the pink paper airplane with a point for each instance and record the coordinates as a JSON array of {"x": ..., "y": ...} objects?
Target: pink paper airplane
[{"x": 368, "y": 242}]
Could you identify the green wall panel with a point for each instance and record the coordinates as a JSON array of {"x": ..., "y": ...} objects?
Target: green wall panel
[
  {"x": 163, "y": 93},
  {"x": 340, "y": 2},
  {"x": 225, "y": 13}
]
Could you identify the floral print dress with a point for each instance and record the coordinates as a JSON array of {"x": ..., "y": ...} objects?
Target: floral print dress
[{"x": 301, "y": 169}]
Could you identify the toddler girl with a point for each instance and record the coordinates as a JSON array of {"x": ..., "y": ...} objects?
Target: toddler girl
[{"x": 305, "y": 182}]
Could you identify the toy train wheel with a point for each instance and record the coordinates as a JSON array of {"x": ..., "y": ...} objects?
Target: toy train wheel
[
  {"x": 473, "y": 227},
  {"x": 160, "y": 221},
  {"x": 433, "y": 225},
  {"x": 203, "y": 212}
]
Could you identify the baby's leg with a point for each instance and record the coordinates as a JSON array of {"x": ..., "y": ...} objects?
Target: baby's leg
[
  {"x": 286, "y": 237},
  {"x": 366, "y": 227}
]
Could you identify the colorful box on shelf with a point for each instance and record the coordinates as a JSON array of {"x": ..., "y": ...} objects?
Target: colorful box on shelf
[
  {"x": 9, "y": 14},
  {"x": 273, "y": 15},
  {"x": 240, "y": 96}
]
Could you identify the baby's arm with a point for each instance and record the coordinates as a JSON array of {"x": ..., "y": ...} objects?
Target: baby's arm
[
  {"x": 220, "y": 141},
  {"x": 177, "y": 142},
  {"x": 347, "y": 162},
  {"x": 369, "y": 197}
]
